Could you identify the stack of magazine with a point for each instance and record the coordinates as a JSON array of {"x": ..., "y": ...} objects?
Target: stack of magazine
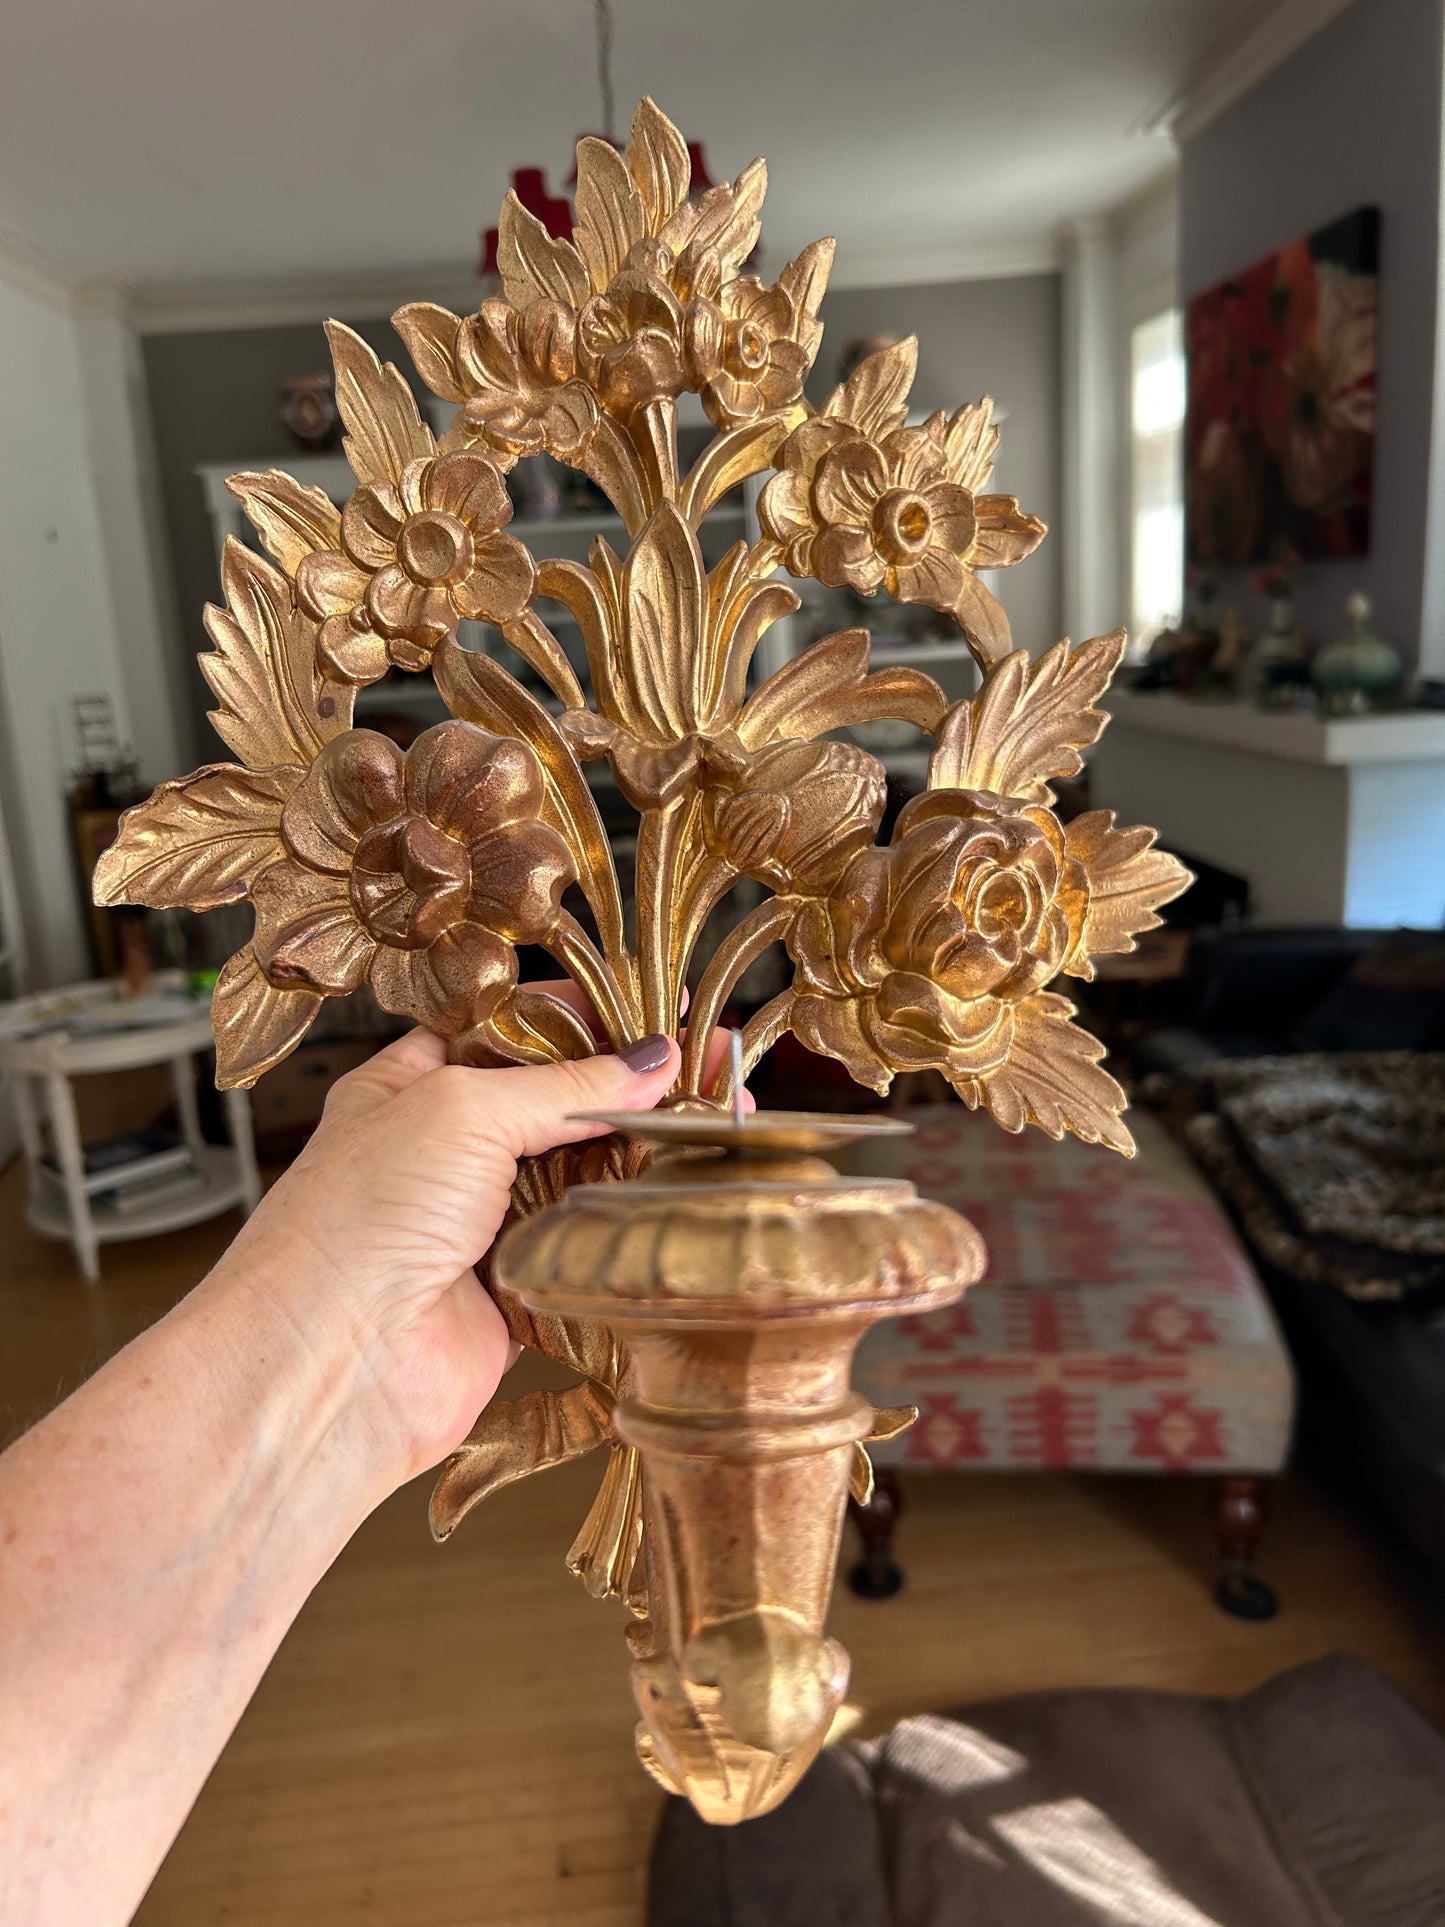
[{"x": 137, "y": 1172}]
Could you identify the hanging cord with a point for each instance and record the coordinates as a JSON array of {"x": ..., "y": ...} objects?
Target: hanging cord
[{"x": 604, "y": 68}]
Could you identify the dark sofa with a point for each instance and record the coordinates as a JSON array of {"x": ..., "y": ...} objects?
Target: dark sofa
[{"x": 1372, "y": 1374}]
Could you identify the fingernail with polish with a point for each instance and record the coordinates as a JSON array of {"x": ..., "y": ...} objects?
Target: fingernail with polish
[{"x": 647, "y": 1054}]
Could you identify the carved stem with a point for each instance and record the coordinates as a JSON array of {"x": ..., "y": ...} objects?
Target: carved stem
[
  {"x": 747, "y": 940},
  {"x": 760, "y": 1033},
  {"x": 611, "y": 462},
  {"x": 659, "y": 841},
  {"x": 655, "y": 427},
  {"x": 731, "y": 457},
  {"x": 538, "y": 647},
  {"x": 703, "y": 881},
  {"x": 570, "y": 944}
]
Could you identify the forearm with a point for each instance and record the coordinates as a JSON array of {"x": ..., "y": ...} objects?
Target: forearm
[{"x": 158, "y": 1533}]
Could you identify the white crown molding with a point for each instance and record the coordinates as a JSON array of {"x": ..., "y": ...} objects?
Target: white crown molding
[
  {"x": 29, "y": 268},
  {"x": 1232, "y": 69},
  {"x": 199, "y": 307},
  {"x": 917, "y": 267}
]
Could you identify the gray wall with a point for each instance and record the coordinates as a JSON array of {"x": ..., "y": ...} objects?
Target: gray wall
[
  {"x": 998, "y": 338},
  {"x": 214, "y": 399},
  {"x": 1353, "y": 117}
]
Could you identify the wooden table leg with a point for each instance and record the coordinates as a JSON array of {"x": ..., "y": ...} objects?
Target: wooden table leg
[
  {"x": 1237, "y": 1511},
  {"x": 188, "y": 1110},
  {"x": 238, "y": 1120},
  {"x": 71, "y": 1154},
  {"x": 878, "y": 1574},
  {"x": 27, "y": 1121}
]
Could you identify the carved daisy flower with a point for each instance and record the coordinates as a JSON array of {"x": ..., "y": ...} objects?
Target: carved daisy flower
[
  {"x": 863, "y": 502},
  {"x": 415, "y": 557}
]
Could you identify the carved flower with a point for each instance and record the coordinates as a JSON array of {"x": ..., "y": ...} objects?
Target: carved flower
[
  {"x": 416, "y": 873},
  {"x": 515, "y": 375},
  {"x": 749, "y": 351},
  {"x": 792, "y": 815},
  {"x": 629, "y": 342},
  {"x": 933, "y": 954},
  {"x": 918, "y": 958},
  {"x": 414, "y": 557},
  {"x": 644, "y": 301},
  {"x": 863, "y": 502}
]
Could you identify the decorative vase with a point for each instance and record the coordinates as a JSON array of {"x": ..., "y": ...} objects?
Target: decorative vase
[
  {"x": 1278, "y": 667},
  {"x": 1360, "y": 671},
  {"x": 309, "y": 413}
]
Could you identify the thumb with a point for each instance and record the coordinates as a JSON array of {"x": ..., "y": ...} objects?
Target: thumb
[{"x": 533, "y": 1108}]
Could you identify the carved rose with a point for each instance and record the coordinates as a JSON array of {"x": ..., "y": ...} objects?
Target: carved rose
[
  {"x": 413, "y": 873},
  {"x": 924, "y": 950},
  {"x": 792, "y": 815},
  {"x": 414, "y": 558}
]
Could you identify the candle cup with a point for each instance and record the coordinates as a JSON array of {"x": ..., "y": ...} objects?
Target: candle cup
[{"x": 741, "y": 1271}]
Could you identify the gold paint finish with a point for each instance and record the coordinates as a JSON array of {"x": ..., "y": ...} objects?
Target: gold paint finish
[
  {"x": 741, "y": 1272},
  {"x": 418, "y": 874}
]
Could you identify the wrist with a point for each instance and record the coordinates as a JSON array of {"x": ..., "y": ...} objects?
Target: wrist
[{"x": 305, "y": 1372}]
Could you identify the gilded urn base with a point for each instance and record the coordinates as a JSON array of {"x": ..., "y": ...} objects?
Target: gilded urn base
[{"x": 741, "y": 1272}]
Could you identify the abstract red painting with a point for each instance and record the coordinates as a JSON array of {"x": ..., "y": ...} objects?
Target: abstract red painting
[{"x": 1280, "y": 438}]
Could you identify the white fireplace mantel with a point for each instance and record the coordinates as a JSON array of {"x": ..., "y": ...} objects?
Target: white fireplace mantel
[{"x": 1332, "y": 821}]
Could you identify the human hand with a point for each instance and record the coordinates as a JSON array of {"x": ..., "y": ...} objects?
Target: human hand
[{"x": 366, "y": 1246}]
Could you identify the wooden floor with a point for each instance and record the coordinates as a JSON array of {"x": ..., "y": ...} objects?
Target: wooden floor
[{"x": 445, "y": 1738}]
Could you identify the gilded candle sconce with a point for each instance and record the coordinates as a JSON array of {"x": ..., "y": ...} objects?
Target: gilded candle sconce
[{"x": 714, "y": 1311}]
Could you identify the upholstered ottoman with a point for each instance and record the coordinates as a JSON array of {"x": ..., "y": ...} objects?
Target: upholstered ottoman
[{"x": 1120, "y": 1328}]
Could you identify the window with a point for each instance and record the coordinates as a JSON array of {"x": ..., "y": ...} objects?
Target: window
[{"x": 1157, "y": 474}]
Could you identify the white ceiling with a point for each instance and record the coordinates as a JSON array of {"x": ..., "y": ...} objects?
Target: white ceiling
[{"x": 193, "y": 141}]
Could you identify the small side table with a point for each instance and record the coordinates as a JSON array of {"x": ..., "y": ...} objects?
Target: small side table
[{"x": 40, "y": 1067}]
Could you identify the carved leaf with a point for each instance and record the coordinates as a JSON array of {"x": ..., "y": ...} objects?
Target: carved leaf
[
  {"x": 274, "y": 709},
  {"x": 384, "y": 429},
  {"x": 480, "y": 691},
  {"x": 199, "y": 841},
  {"x": 580, "y": 591},
  {"x": 828, "y": 686},
  {"x": 740, "y": 611},
  {"x": 293, "y": 521},
  {"x": 533, "y": 265},
  {"x": 665, "y": 600},
  {"x": 970, "y": 440},
  {"x": 431, "y": 335},
  {"x": 875, "y": 396},
  {"x": 1028, "y": 722},
  {"x": 610, "y": 217},
  {"x": 1053, "y": 1079},
  {"x": 805, "y": 281},
  {"x": 255, "y": 1024},
  {"x": 1128, "y": 882},
  {"x": 658, "y": 161},
  {"x": 984, "y": 621},
  {"x": 725, "y": 219}
]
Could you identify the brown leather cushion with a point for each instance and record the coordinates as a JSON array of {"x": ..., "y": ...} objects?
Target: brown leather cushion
[{"x": 1316, "y": 1801}]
